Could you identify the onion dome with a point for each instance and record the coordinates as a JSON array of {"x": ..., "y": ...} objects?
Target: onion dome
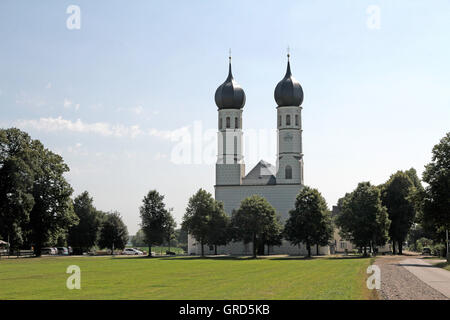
[
  {"x": 288, "y": 91},
  {"x": 230, "y": 95}
]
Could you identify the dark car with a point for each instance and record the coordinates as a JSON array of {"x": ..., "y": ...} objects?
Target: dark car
[
  {"x": 426, "y": 251},
  {"x": 63, "y": 251}
]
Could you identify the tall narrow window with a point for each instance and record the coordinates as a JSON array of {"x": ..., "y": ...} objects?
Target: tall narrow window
[
  {"x": 288, "y": 119},
  {"x": 288, "y": 172},
  {"x": 228, "y": 122},
  {"x": 220, "y": 123},
  {"x": 236, "y": 123},
  {"x": 296, "y": 120},
  {"x": 279, "y": 121}
]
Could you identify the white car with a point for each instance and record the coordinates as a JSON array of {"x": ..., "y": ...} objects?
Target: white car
[{"x": 132, "y": 251}]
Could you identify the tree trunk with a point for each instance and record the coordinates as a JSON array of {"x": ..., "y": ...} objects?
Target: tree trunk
[
  {"x": 215, "y": 249},
  {"x": 308, "y": 247},
  {"x": 37, "y": 250},
  {"x": 365, "y": 250},
  {"x": 317, "y": 249},
  {"x": 400, "y": 247},
  {"x": 394, "y": 251},
  {"x": 149, "y": 250}
]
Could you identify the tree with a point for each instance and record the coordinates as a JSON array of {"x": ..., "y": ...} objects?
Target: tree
[
  {"x": 182, "y": 238},
  {"x": 254, "y": 219},
  {"x": 436, "y": 196},
  {"x": 154, "y": 216},
  {"x": 310, "y": 222},
  {"x": 139, "y": 239},
  {"x": 52, "y": 211},
  {"x": 169, "y": 228},
  {"x": 84, "y": 236},
  {"x": 113, "y": 232},
  {"x": 396, "y": 195},
  {"x": 197, "y": 218},
  {"x": 363, "y": 219},
  {"x": 273, "y": 236},
  {"x": 16, "y": 183},
  {"x": 218, "y": 228}
]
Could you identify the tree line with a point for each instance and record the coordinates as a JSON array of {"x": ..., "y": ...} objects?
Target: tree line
[{"x": 36, "y": 208}]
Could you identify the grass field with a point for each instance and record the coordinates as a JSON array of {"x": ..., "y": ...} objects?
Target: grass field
[{"x": 186, "y": 278}]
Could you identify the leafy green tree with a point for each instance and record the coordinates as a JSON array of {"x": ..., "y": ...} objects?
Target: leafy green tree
[
  {"x": 198, "y": 214},
  {"x": 113, "y": 232},
  {"x": 52, "y": 211},
  {"x": 273, "y": 236},
  {"x": 254, "y": 219},
  {"x": 84, "y": 236},
  {"x": 363, "y": 219},
  {"x": 436, "y": 196},
  {"x": 139, "y": 239},
  {"x": 16, "y": 183},
  {"x": 169, "y": 228},
  {"x": 218, "y": 229},
  {"x": 310, "y": 222},
  {"x": 154, "y": 216},
  {"x": 182, "y": 238},
  {"x": 396, "y": 195}
]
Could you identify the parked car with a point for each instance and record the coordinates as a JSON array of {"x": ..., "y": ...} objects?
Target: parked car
[
  {"x": 49, "y": 250},
  {"x": 426, "y": 251},
  {"x": 132, "y": 251},
  {"x": 63, "y": 251},
  {"x": 170, "y": 253}
]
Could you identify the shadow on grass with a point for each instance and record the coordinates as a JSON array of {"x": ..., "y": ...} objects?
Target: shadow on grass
[{"x": 242, "y": 258}]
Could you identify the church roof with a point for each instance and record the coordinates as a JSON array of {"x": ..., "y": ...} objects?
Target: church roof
[
  {"x": 263, "y": 173},
  {"x": 230, "y": 95},
  {"x": 288, "y": 91}
]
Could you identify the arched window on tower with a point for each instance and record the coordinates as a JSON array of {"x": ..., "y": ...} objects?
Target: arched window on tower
[
  {"x": 279, "y": 121},
  {"x": 288, "y": 119},
  {"x": 228, "y": 122},
  {"x": 236, "y": 123},
  {"x": 288, "y": 172},
  {"x": 296, "y": 120},
  {"x": 220, "y": 123}
]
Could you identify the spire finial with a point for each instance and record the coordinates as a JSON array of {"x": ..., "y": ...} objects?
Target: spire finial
[
  {"x": 230, "y": 74},
  {"x": 288, "y": 52}
]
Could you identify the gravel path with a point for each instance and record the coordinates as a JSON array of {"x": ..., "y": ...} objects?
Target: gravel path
[{"x": 397, "y": 283}]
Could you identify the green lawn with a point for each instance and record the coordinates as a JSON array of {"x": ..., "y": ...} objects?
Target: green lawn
[{"x": 186, "y": 278}]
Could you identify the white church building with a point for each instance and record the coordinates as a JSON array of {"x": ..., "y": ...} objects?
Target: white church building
[{"x": 279, "y": 184}]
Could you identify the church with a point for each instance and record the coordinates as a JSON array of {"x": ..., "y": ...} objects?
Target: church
[{"x": 278, "y": 184}]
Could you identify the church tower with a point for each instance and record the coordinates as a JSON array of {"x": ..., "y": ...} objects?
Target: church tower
[
  {"x": 289, "y": 97},
  {"x": 230, "y": 99}
]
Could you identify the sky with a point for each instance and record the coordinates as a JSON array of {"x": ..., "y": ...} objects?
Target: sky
[{"x": 126, "y": 95}]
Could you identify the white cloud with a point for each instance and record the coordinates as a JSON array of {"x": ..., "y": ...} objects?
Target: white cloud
[
  {"x": 70, "y": 104},
  {"x": 100, "y": 128},
  {"x": 48, "y": 86}
]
